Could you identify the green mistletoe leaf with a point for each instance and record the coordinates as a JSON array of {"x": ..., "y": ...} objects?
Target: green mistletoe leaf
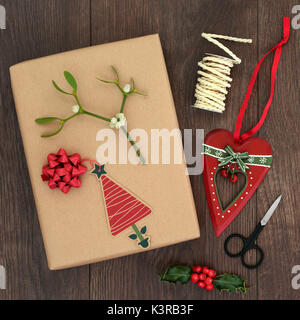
[
  {"x": 230, "y": 283},
  {"x": 115, "y": 72},
  {"x": 71, "y": 80},
  {"x": 54, "y": 133},
  {"x": 132, "y": 236},
  {"x": 59, "y": 89},
  {"x": 176, "y": 274},
  {"x": 46, "y": 120},
  {"x": 104, "y": 81}
]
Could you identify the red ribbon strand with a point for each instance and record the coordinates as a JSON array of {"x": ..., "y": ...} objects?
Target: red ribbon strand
[{"x": 278, "y": 49}]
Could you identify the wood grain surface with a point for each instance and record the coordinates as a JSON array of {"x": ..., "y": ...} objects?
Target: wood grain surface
[{"x": 41, "y": 27}]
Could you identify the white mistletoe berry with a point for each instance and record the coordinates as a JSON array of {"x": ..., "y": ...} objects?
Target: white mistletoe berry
[
  {"x": 120, "y": 116},
  {"x": 118, "y": 125},
  {"x": 75, "y": 108},
  {"x": 127, "y": 88},
  {"x": 118, "y": 121},
  {"x": 113, "y": 122}
]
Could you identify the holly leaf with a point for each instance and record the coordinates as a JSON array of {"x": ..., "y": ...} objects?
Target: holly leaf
[
  {"x": 143, "y": 230},
  {"x": 230, "y": 283},
  {"x": 71, "y": 80},
  {"x": 176, "y": 274},
  {"x": 132, "y": 236}
]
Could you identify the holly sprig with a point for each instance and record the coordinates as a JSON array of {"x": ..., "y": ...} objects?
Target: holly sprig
[
  {"x": 204, "y": 278},
  {"x": 78, "y": 109}
]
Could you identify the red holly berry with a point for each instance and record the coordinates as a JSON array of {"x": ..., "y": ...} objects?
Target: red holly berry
[
  {"x": 201, "y": 284},
  {"x": 205, "y": 270},
  {"x": 197, "y": 269},
  {"x": 234, "y": 178},
  {"x": 224, "y": 173},
  {"x": 209, "y": 287},
  {"x": 202, "y": 276},
  {"x": 195, "y": 277},
  {"x": 212, "y": 273},
  {"x": 208, "y": 280}
]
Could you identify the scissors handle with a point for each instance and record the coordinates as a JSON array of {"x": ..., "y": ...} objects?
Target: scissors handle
[
  {"x": 260, "y": 259},
  {"x": 248, "y": 244},
  {"x": 232, "y": 236}
]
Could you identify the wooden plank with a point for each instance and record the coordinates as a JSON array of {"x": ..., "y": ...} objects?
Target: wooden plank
[
  {"x": 34, "y": 28},
  {"x": 179, "y": 24},
  {"x": 281, "y": 238}
]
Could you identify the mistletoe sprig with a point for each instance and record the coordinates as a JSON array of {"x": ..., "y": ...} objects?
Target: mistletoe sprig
[{"x": 117, "y": 122}]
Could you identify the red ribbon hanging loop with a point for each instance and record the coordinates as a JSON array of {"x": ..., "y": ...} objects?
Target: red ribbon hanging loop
[{"x": 278, "y": 48}]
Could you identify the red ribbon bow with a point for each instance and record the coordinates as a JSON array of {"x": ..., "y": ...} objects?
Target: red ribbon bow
[{"x": 63, "y": 171}]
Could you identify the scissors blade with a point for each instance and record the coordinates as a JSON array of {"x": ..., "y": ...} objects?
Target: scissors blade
[{"x": 269, "y": 213}]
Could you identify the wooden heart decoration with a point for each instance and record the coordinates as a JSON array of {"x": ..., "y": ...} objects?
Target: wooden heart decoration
[{"x": 259, "y": 162}]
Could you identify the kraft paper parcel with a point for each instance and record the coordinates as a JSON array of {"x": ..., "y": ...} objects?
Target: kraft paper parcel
[{"x": 74, "y": 225}]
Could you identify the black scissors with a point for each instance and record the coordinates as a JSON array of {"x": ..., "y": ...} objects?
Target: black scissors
[{"x": 249, "y": 243}]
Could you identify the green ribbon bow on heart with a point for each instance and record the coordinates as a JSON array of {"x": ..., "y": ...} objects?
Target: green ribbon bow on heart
[{"x": 234, "y": 156}]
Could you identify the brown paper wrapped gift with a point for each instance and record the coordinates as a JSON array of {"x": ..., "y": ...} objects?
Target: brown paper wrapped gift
[{"x": 74, "y": 225}]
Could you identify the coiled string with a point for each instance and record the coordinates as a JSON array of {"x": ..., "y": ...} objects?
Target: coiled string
[{"x": 212, "y": 86}]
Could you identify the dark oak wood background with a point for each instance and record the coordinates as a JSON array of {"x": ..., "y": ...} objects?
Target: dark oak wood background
[{"x": 41, "y": 27}]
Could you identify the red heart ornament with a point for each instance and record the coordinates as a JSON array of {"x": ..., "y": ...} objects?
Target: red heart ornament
[{"x": 259, "y": 162}]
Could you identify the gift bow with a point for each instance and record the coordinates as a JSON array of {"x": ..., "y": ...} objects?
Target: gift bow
[
  {"x": 234, "y": 156},
  {"x": 63, "y": 171}
]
